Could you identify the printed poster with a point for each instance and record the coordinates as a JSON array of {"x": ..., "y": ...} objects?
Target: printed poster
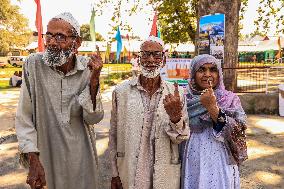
[
  {"x": 212, "y": 35},
  {"x": 177, "y": 70}
]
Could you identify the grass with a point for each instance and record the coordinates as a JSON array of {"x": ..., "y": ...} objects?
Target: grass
[
  {"x": 4, "y": 84},
  {"x": 8, "y": 71},
  {"x": 117, "y": 72},
  {"x": 113, "y": 79}
]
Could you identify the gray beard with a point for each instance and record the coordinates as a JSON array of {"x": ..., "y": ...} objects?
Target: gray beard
[
  {"x": 54, "y": 57},
  {"x": 150, "y": 73}
]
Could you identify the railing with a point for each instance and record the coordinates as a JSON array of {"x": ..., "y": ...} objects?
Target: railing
[{"x": 258, "y": 78}]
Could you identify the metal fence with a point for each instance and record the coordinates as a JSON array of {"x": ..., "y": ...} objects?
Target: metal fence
[{"x": 259, "y": 78}]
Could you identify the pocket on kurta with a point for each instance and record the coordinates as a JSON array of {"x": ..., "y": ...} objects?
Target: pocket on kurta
[{"x": 166, "y": 176}]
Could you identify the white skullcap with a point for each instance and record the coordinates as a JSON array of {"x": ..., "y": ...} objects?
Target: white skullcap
[
  {"x": 154, "y": 39},
  {"x": 68, "y": 17}
]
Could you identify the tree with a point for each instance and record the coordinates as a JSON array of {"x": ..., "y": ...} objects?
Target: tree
[
  {"x": 14, "y": 30},
  {"x": 85, "y": 33},
  {"x": 177, "y": 19},
  {"x": 270, "y": 16},
  {"x": 231, "y": 9}
]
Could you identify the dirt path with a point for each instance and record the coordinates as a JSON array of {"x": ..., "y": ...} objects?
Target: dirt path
[{"x": 264, "y": 169}]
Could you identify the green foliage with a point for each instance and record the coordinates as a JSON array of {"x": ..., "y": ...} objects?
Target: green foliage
[
  {"x": 270, "y": 16},
  {"x": 14, "y": 30},
  {"x": 177, "y": 19},
  {"x": 85, "y": 33}
]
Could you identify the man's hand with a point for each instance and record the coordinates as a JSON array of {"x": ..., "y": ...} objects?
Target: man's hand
[
  {"x": 116, "y": 183},
  {"x": 173, "y": 105},
  {"x": 36, "y": 176},
  {"x": 95, "y": 65},
  {"x": 209, "y": 101}
]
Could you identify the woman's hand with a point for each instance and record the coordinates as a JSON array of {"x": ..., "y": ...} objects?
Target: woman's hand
[{"x": 209, "y": 101}]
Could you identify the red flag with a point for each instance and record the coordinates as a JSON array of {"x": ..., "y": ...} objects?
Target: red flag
[
  {"x": 154, "y": 29},
  {"x": 38, "y": 24}
]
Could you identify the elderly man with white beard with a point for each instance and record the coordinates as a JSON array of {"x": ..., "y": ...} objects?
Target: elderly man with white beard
[
  {"x": 59, "y": 103},
  {"x": 148, "y": 121}
]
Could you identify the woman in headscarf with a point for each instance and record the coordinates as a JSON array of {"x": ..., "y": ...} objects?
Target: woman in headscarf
[{"x": 217, "y": 145}]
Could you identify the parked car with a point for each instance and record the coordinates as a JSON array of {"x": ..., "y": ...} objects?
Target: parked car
[{"x": 16, "y": 60}]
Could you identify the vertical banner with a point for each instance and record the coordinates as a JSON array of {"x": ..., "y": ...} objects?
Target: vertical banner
[
  {"x": 38, "y": 24},
  {"x": 176, "y": 70},
  {"x": 93, "y": 26},
  {"x": 212, "y": 35}
]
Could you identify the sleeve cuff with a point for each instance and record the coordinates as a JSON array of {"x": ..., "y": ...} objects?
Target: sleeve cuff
[
  {"x": 218, "y": 135},
  {"x": 26, "y": 148},
  {"x": 179, "y": 126}
]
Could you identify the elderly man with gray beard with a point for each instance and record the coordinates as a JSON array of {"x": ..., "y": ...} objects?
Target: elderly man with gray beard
[
  {"x": 148, "y": 121},
  {"x": 59, "y": 102}
]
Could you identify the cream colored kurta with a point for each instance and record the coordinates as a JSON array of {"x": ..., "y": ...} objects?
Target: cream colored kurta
[
  {"x": 143, "y": 175},
  {"x": 53, "y": 118}
]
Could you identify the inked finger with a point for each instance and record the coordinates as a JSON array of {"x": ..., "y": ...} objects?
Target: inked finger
[
  {"x": 176, "y": 89},
  {"x": 98, "y": 50},
  {"x": 210, "y": 83}
]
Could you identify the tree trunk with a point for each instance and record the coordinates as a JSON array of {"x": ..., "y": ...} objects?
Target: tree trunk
[{"x": 231, "y": 10}]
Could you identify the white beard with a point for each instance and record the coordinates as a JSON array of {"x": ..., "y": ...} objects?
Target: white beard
[
  {"x": 54, "y": 57},
  {"x": 150, "y": 73}
]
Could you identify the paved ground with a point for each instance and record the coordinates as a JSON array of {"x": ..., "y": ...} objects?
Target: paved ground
[{"x": 264, "y": 169}]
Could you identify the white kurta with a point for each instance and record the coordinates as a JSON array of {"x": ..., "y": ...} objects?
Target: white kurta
[
  {"x": 206, "y": 163},
  {"x": 53, "y": 118}
]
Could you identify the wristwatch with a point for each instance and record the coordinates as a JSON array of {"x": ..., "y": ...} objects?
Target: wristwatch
[{"x": 222, "y": 116}]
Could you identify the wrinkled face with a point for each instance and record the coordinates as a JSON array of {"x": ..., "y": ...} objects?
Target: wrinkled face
[
  {"x": 151, "y": 59},
  {"x": 207, "y": 72},
  {"x": 61, "y": 42}
]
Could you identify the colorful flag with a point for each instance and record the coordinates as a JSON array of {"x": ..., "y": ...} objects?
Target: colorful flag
[
  {"x": 119, "y": 43},
  {"x": 92, "y": 26},
  {"x": 38, "y": 24},
  {"x": 124, "y": 51},
  {"x": 154, "y": 29}
]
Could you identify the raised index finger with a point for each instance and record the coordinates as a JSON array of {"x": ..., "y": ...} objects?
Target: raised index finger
[
  {"x": 210, "y": 83},
  {"x": 176, "y": 89},
  {"x": 98, "y": 50}
]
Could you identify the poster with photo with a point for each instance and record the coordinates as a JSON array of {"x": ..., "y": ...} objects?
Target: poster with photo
[
  {"x": 204, "y": 46},
  {"x": 177, "y": 70},
  {"x": 212, "y": 29}
]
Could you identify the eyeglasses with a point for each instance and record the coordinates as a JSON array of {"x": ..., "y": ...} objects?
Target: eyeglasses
[
  {"x": 59, "y": 37},
  {"x": 147, "y": 54}
]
